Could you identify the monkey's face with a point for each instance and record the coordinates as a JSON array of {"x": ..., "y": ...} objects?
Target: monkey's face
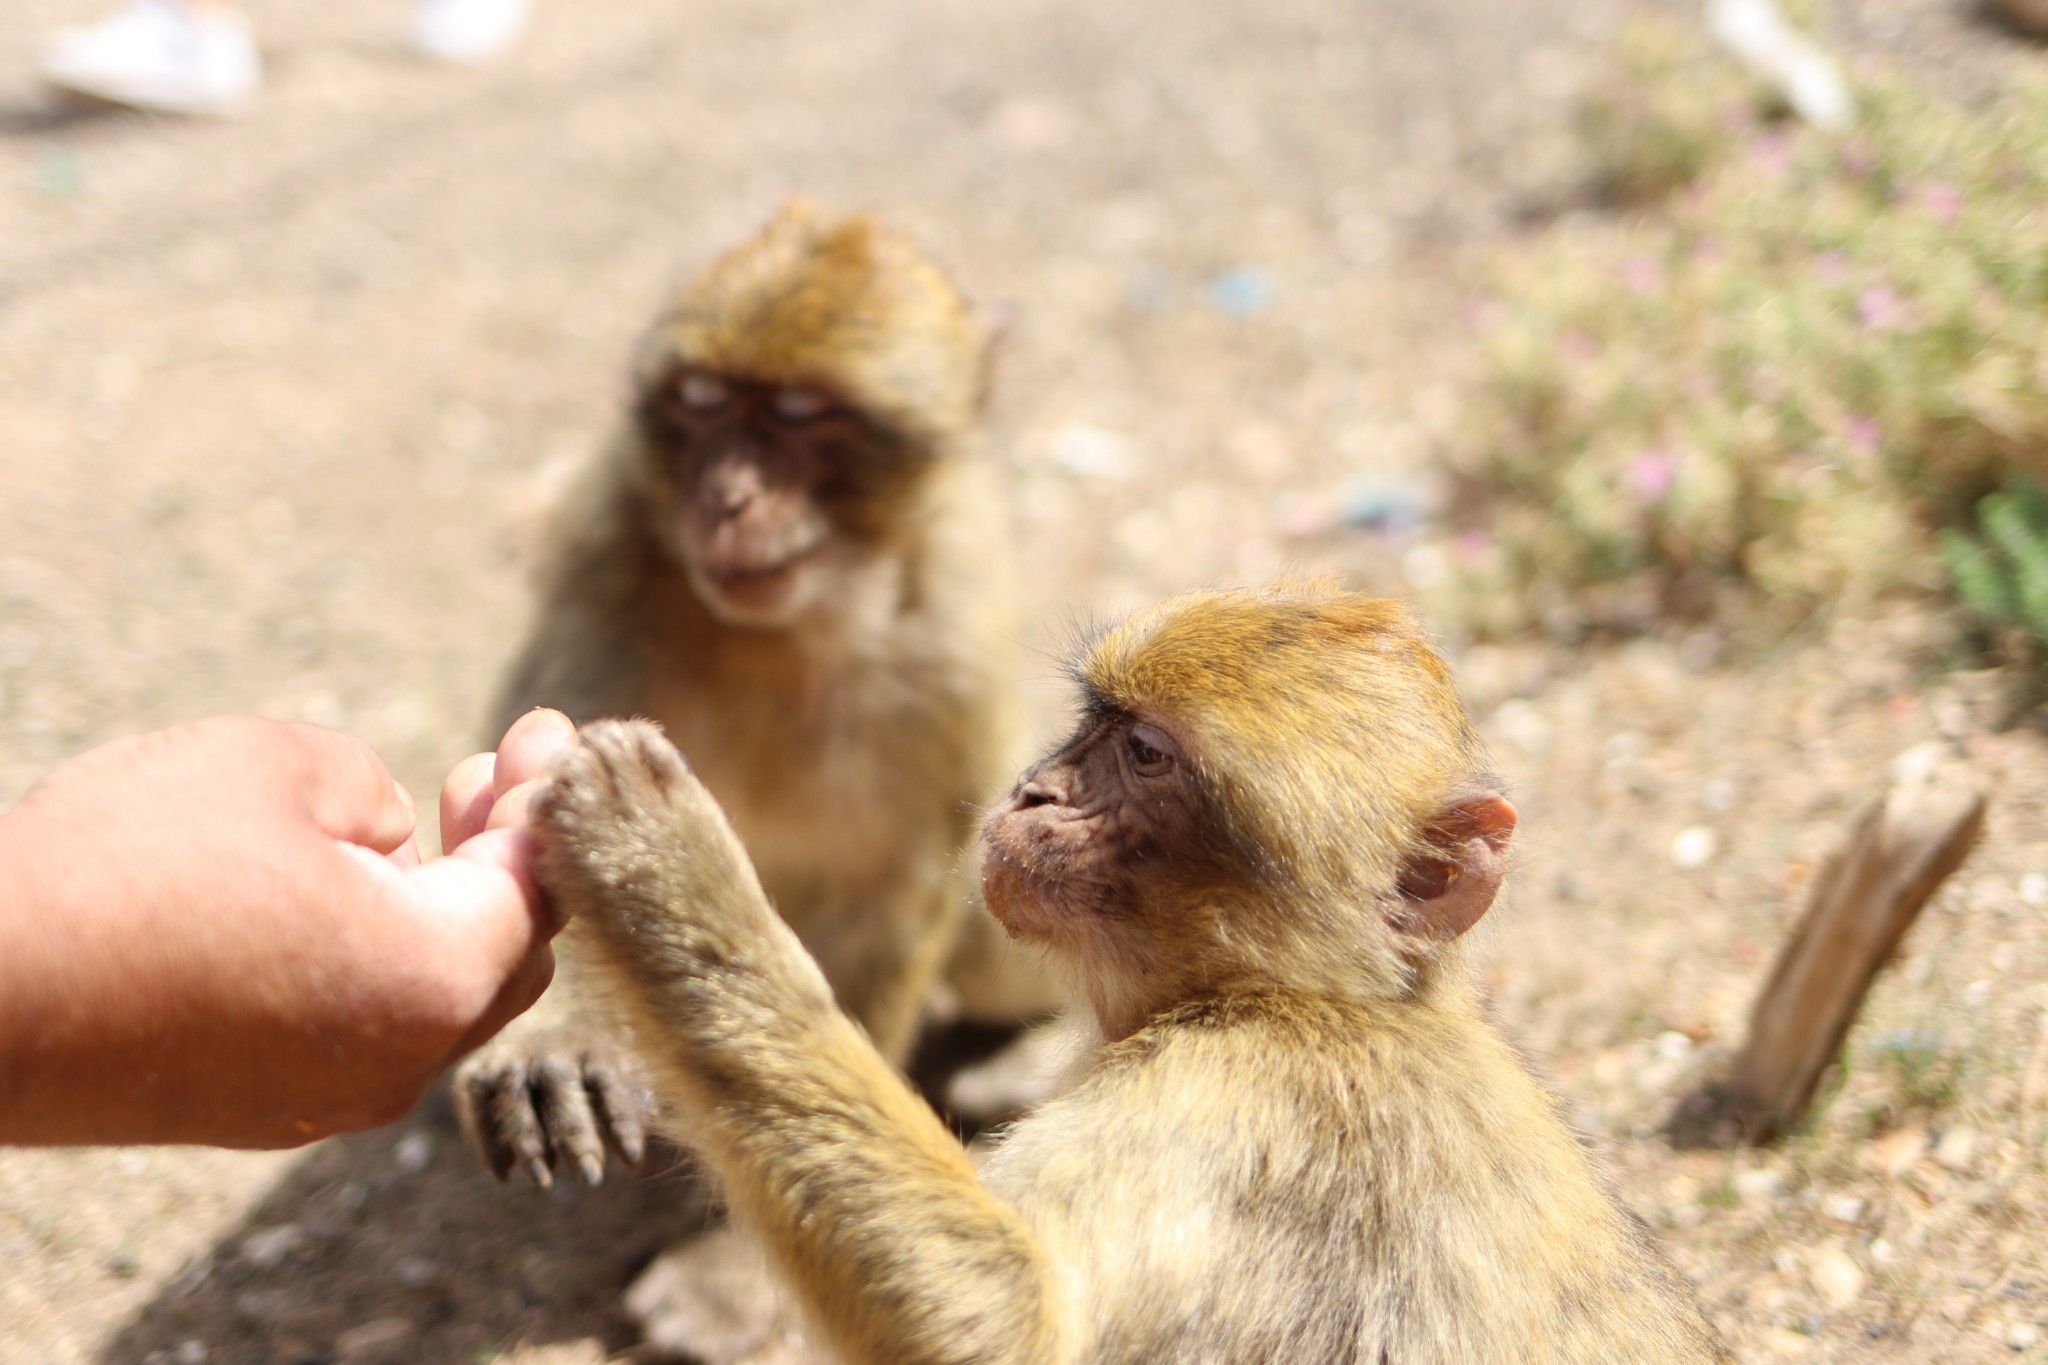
[
  {"x": 769, "y": 496},
  {"x": 1095, "y": 837}
]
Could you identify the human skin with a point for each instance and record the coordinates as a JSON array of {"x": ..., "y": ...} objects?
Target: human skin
[{"x": 224, "y": 933}]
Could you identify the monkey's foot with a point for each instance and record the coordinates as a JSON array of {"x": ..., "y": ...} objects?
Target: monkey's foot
[
  {"x": 713, "y": 1302},
  {"x": 535, "y": 1097}
]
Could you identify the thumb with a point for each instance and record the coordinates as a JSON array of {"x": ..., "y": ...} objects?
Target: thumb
[
  {"x": 484, "y": 904},
  {"x": 349, "y": 793}
]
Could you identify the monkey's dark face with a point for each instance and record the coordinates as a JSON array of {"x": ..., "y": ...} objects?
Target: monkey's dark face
[
  {"x": 1094, "y": 836},
  {"x": 771, "y": 494}
]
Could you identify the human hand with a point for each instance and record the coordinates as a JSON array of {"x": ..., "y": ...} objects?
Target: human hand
[{"x": 224, "y": 933}]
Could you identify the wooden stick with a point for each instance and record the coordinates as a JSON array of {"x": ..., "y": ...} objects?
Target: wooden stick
[{"x": 1868, "y": 893}]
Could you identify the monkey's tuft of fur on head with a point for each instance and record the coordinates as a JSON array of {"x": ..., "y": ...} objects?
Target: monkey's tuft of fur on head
[
  {"x": 845, "y": 305},
  {"x": 1305, "y": 710}
]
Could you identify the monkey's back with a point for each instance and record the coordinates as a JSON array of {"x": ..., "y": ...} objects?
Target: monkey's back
[{"x": 1276, "y": 1178}]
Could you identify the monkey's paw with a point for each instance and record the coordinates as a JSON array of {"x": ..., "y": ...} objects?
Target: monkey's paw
[
  {"x": 630, "y": 845},
  {"x": 537, "y": 1096}
]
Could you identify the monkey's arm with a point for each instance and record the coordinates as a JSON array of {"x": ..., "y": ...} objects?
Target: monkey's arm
[{"x": 866, "y": 1201}]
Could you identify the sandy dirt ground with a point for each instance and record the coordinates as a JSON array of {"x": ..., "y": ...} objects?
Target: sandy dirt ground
[{"x": 281, "y": 399}]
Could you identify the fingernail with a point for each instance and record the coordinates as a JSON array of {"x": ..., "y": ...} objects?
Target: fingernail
[
  {"x": 592, "y": 1168},
  {"x": 405, "y": 800},
  {"x": 542, "y": 1176}
]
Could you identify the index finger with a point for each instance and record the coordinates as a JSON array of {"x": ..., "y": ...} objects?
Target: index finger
[{"x": 530, "y": 748}]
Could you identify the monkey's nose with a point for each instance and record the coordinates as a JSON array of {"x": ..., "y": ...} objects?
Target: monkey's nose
[{"x": 1032, "y": 792}]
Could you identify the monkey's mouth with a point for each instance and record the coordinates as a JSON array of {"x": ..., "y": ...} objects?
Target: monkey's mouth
[
  {"x": 755, "y": 587},
  {"x": 742, "y": 579}
]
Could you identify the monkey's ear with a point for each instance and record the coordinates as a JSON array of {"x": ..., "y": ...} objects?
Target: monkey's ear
[{"x": 1447, "y": 891}]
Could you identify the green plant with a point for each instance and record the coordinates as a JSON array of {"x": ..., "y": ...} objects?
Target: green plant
[
  {"x": 2001, "y": 570},
  {"x": 1919, "y": 1068}
]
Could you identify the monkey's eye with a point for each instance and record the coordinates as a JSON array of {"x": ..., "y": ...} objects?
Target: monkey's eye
[
  {"x": 1152, "y": 753},
  {"x": 702, "y": 392},
  {"x": 801, "y": 405}
]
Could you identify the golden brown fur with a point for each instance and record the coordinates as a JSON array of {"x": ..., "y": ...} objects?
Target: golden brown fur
[
  {"x": 848, "y": 699},
  {"x": 1299, "y": 1140}
]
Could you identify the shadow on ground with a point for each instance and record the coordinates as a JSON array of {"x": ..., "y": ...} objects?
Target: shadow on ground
[{"x": 397, "y": 1246}]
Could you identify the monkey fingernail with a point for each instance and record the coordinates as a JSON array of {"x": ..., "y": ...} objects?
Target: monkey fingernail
[
  {"x": 542, "y": 1176},
  {"x": 592, "y": 1168}
]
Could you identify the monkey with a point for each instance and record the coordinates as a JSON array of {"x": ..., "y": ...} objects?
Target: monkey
[
  {"x": 1298, "y": 1137},
  {"x": 792, "y": 559}
]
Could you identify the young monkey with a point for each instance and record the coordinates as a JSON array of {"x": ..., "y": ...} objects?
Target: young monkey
[
  {"x": 791, "y": 558},
  {"x": 1299, "y": 1140}
]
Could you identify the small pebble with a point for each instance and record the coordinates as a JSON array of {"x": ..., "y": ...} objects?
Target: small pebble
[
  {"x": 1839, "y": 1279},
  {"x": 1694, "y": 847},
  {"x": 2034, "y": 889},
  {"x": 1956, "y": 1148},
  {"x": 1843, "y": 1208},
  {"x": 1095, "y": 452},
  {"x": 413, "y": 1152},
  {"x": 1759, "y": 1184},
  {"x": 1780, "y": 1341},
  {"x": 2022, "y": 1336},
  {"x": 376, "y": 1335},
  {"x": 1674, "y": 1046},
  {"x": 265, "y": 1247}
]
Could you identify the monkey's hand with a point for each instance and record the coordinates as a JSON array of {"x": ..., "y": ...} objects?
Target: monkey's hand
[
  {"x": 554, "y": 1087},
  {"x": 638, "y": 855}
]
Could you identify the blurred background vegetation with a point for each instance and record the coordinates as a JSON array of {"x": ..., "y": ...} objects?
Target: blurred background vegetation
[{"x": 1790, "y": 373}]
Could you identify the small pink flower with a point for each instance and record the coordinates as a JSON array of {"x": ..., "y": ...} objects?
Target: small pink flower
[
  {"x": 1579, "y": 347},
  {"x": 1652, "y": 474},
  {"x": 1642, "y": 274},
  {"x": 1859, "y": 157},
  {"x": 1863, "y": 435},
  {"x": 1473, "y": 547},
  {"x": 1831, "y": 268},
  {"x": 1942, "y": 202},
  {"x": 1880, "y": 309}
]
